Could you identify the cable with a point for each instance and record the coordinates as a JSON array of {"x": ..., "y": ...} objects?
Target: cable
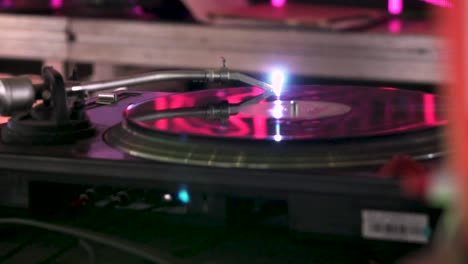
[{"x": 88, "y": 235}]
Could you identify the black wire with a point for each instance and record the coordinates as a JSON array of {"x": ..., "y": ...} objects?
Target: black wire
[{"x": 90, "y": 236}]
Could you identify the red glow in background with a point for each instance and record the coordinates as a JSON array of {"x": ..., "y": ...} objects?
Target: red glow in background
[{"x": 453, "y": 26}]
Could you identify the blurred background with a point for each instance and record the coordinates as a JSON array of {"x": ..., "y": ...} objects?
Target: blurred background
[
  {"x": 381, "y": 43},
  {"x": 389, "y": 42}
]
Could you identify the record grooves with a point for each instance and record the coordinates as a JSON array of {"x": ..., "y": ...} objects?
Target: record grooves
[{"x": 353, "y": 127}]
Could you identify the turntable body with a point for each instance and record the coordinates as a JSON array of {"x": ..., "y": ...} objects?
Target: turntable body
[{"x": 318, "y": 196}]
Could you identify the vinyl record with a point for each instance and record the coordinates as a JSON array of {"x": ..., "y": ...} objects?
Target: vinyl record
[{"x": 306, "y": 126}]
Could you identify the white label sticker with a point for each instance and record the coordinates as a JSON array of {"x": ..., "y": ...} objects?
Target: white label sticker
[{"x": 395, "y": 226}]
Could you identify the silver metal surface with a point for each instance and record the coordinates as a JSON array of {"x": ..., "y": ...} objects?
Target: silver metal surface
[
  {"x": 222, "y": 75},
  {"x": 139, "y": 79},
  {"x": 236, "y": 76},
  {"x": 106, "y": 98},
  {"x": 16, "y": 94}
]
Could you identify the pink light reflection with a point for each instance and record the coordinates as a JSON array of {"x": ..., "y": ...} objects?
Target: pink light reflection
[
  {"x": 241, "y": 127},
  {"x": 394, "y": 26},
  {"x": 161, "y": 104},
  {"x": 4, "y": 119},
  {"x": 56, "y": 4},
  {"x": 429, "y": 109},
  {"x": 278, "y": 3},
  {"x": 260, "y": 127},
  {"x": 138, "y": 10},
  {"x": 7, "y": 3},
  {"x": 395, "y": 7},
  {"x": 388, "y": 88},
  {"x": 443, "y": 3}
]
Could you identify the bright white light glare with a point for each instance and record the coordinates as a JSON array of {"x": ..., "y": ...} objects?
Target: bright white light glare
[
  {"x": 277, "y": 110},
  {"x": 277, "y": 80},
  {"x": 277, "y": 137},
  {"x": 167, "y": 197}
]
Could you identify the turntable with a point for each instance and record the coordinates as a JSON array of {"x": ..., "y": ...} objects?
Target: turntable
[{"x": 313, "y": 148}]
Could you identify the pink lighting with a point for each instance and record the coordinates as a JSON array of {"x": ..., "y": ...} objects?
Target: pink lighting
[
  {"x": 56, "y": 4},
  {"x": 138, "y": 10},
  {"x": 394, "y": 26},
  {"x": 443, "y": 3},
  {"x": 7, "y": 3},
  {"x": 260, "y": 127},
  {"x": 278, "y": 3},
  {"x": 388, "y": 88},
  {"x": 429, "y": 109},
  {"x": 395, "y": 7}
]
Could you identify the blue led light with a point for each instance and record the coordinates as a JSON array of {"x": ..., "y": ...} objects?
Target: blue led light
[{"x": 184, "y": 196}]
